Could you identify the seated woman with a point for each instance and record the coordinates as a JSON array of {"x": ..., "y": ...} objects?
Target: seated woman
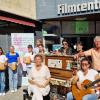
[
  {"x": 39, "y": 78},
  {"x": 86, "y": 73}
]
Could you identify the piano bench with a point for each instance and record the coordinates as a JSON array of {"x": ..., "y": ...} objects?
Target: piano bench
[{"x": 27, "y": 97}]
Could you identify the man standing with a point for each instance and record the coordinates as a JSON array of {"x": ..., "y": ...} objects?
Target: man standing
[{"x": 94, "y": 53}]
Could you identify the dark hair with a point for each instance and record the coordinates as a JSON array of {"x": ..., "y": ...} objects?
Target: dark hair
[
  {"x": 1, "y": 50},
  {"x": 12, "y": 47},
  {"x": 79, "y": 42},
  {"x": 40, "y": 56},
  {"x": 29, "y": 46},
  {"x": 86, "y": 59},
  {"x": 65, "y": 40}
]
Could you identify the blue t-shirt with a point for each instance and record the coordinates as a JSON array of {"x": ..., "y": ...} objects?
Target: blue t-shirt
[{"x": 12, "y": 58}]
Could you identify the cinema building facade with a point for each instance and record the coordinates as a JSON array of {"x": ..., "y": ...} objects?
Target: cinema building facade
[{"x": 76, "y": 20}]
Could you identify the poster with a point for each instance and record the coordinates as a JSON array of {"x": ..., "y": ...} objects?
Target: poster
[
  {"x": 54, "y": 63},
  {"x": 21, "y": 40}
]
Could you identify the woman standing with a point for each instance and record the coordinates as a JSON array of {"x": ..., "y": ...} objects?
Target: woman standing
[
  {"x": 38, "y": 43},
  {"x": 13, "y": 61},
  {"x": 28, "y": 59},
  {"x": 41, "y": 49},
  {"x": 3, "y": 62},
  {"x": 39, "y": 78}
]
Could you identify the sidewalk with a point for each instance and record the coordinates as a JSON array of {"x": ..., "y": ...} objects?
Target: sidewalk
[{"x": 13, "y": 96}]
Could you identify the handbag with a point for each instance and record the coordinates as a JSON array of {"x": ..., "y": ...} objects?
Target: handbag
[
  {"x": 14, "y": 66},
  {"x": 2, "y": 66},
  {"x": 27, "y": 60}
]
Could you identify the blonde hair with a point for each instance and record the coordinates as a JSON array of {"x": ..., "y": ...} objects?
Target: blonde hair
[{"x": 40, "y": 40}]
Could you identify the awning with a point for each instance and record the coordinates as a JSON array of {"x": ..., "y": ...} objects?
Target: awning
[{"x": 17, "y": 21}]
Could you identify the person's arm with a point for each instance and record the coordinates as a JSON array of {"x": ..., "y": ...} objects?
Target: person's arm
[
  {"x": 97, "y": 77},
  {"x": 7, "y": 56},
  {"x": 18, "y": 59},
  {"x": 98, "y": 84},
  {"x": 6, "y": 61},
  {"x": 32, "y": 82},
  {"x": 85, "y": 53},
  {"x": 46, "y": 83},
  {"x": 48, "y": 77},
  {"x": 74, "y": 80}
]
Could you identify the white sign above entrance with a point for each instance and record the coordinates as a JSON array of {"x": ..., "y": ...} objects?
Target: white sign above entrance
[{"x": 75, "y": 8}]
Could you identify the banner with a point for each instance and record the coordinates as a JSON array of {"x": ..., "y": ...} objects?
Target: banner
[{"x": 21, "y": 40}]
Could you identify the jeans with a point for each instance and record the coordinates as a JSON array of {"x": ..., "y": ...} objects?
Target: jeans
[
  {"x": 69, "y": 96},
  {"x": 2, "y": 81},
  {"x": 13, "y": 79},
  {"x": 86, "y": 97}
]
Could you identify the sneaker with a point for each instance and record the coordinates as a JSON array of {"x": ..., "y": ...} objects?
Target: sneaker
[
  {"x": 3, "y": 94},
  {"x": 0, "y": 94},
  {"x": 12, "y": 91},
  {"x": 15, "y": 90}
]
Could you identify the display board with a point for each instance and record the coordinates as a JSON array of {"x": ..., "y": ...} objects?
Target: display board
[{"x": 21, "y": 40}]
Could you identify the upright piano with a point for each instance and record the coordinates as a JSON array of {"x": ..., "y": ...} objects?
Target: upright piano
[{"x": 60, "y": 74}]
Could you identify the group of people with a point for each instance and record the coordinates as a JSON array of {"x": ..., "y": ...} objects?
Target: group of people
[
  {"x": 39, "y": 74},
  {"x": 10, "y": 62},
  {"x": 88, "y": 71},
  {"x": 94, "y": 53},
  {"x": 11, "y": 59}
]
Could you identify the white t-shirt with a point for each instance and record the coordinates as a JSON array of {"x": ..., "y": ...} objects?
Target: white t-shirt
[
  {"x": 90, "y": 75},
  {"x": 40, "y": 76},
  {"x": 3, "y": 58},
  {"x": 32, "y": 58}
]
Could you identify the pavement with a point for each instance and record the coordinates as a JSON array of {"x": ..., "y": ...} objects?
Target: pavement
[{"x": 13, "y": 96}]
